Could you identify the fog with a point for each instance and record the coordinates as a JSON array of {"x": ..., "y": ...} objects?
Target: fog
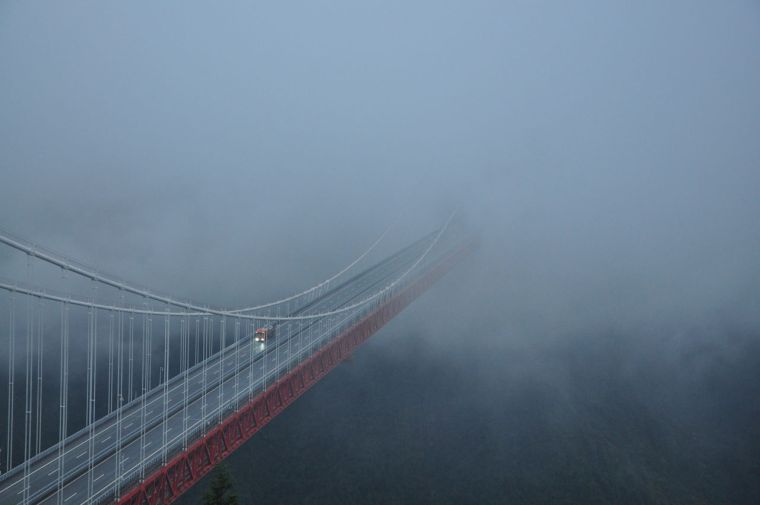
[{"x": 605, "y": 154}]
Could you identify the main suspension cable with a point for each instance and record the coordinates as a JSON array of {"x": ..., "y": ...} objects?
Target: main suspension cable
[
  {"x": 221, "y": 313},
  {"x": 92, "y": 274}
]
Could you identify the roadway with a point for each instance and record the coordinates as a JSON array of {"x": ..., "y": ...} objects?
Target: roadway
[{"x": 195, "y": 400}]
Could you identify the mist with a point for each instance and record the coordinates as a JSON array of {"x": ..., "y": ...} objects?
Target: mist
[{"x": 605, "y": 154}]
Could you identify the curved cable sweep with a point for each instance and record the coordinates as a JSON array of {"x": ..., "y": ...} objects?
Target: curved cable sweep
[
  {"x": 321, "y": 284},
  {"x": 202, "y": 311},
  {"x": 382, "y": 291},
  {"x": 90, "y": 273},
  {"x": 326, "y": 282}
]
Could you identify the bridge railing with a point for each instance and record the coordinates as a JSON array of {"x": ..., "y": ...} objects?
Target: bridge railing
[{"x": 131, "y": 384}]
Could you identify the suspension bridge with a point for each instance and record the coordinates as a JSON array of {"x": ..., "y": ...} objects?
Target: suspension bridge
[{"x": 116, "y": 394}]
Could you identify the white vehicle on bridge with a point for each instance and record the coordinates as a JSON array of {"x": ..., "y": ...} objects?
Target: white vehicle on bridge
[{"x": 263, "y": 333}]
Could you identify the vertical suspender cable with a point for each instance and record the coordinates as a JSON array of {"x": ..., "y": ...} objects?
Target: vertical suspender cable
[
  {"x": 264, "y": 354},
  {"x": 167, "y": 325},
  {"x": 110, "y": 361},
  {"x": 11, "y": 375},
  {"x": 305, "y": 347},
  {"x": 63, "y": 397},
  {"x": 130, "y": 376},
  {"x": 149, "y": 354},
  {"x": 181, "y": 373},
  {"x": 118, "y": 471},
  {"x": 94, "y": 399},
  {"x": 205, "y": 372},
  {"x": 237, "y": 360},
  {"x": 91, "y": 329},
  {"x": 185, "y": 367},
  {"x": 250, "y": 341},
  {"x": 28, "y": 364},
  {"x": 298, "y": 348},
  {"x": 211, "y": 352},
  {"x": 290, "y": 335},
  {"x": 40, "y": 350},
  {"x": 315, "y": 326},
  {"x": 143, "y": 396},
  {"x": 197, "y": 327},
  {"x": 197, "y": 339},
  {"x": 223, "y": 349},
  {"x": 322, "y": 332},
  {"x": 277, "y": 352},
  {"x": 67, "y": 365}
]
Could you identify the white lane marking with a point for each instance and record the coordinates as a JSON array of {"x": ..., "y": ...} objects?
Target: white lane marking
[
  {"x": 71, "y": 496},
  {"x": 198, "y": 380},
  {"x": 99, "y": 476}
]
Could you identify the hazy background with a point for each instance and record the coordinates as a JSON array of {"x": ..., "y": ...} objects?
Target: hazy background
[{"x": 606, "y": 152}]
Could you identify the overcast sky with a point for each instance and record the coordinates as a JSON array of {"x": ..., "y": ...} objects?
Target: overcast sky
[{"x": 606, "y": 150}]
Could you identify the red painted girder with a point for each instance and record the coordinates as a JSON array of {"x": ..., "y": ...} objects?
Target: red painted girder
[{"x": 166, "y": 484}]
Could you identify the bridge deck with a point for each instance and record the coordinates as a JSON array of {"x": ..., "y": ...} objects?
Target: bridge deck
[{"x": 245, "y": 368}]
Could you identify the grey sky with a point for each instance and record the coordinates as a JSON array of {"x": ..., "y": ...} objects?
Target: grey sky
[
  {"x": 607, "y": 152},
  {"x": 595, "y": 143}
]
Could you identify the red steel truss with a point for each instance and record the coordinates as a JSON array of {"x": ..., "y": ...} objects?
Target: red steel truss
[{"x": 167, "y": 483}]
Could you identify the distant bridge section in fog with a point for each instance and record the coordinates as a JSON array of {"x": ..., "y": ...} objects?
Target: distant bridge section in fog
[{"x": 116, "y": 394}]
